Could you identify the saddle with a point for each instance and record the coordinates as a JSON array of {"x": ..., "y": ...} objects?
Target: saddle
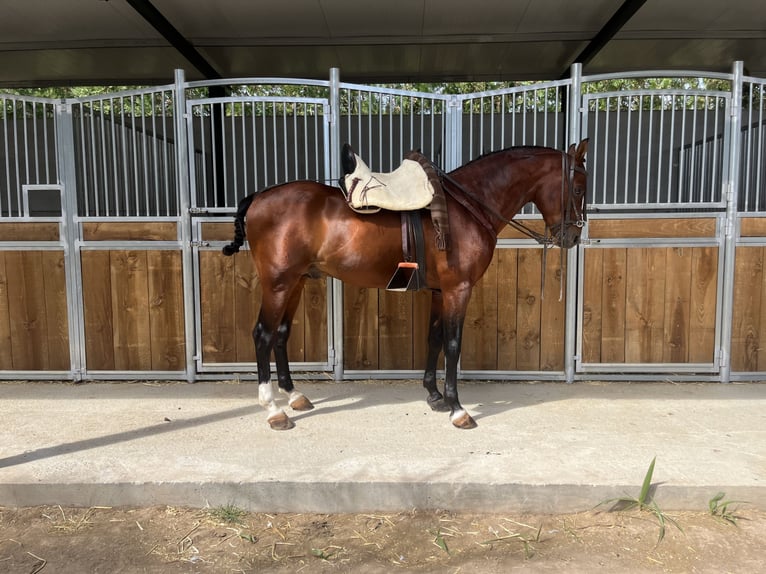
[{"x": 414, "y": 185}]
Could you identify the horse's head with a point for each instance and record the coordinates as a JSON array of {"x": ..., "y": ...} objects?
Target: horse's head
[{"x": 562, "y": 199}]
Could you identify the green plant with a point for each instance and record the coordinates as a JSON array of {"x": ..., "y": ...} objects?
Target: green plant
[
  {"x": 719, "y": 508},
  {"x": 643, "y": 503},
  {"x": 229, "y": 514}
]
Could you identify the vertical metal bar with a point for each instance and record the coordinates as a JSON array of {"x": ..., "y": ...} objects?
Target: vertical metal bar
[
  {"x": 761, "y": 165},
  {"x": 660, "y": 147},
  {"x": 335, "y": 299},
  {"x": 104, "y": 166},
  {"x": 573, "y": 288},
  {"x": 748, "y": 130},
  {"x": 70, "y": 236},
  {"x": 627, "y": 152},
  {"x": 703, "y": 152},
  {"x": 649, "y": 144},
  {"x": 671, "y": 145},
  {"x": 144, "y": 166},
  {"x": 730, "y": 239},
  {"x": 184, "y": 149},
  {"x": 681, "y": 153}
]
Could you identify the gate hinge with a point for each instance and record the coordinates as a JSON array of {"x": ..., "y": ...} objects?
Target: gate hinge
[
  {"x": 199, "y": 243},
  {"x": 198, "y": 211}
]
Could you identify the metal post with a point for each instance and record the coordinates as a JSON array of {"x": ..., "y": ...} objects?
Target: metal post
[
  {"x": 65, "y": 150},
  {"x": 184, "y": 204},
  {"x": 335, "y": 351},
  {"x": 570, "y": 313},
  {"x": 730, "y": 235}
]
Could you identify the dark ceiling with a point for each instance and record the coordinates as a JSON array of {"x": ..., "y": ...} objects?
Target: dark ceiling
[{"x": 44, "y": 42}]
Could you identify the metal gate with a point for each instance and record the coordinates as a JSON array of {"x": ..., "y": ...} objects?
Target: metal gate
[
  {"x": 650, "y": 292},
  {"x": 123, "y": 277},
  {"x": 239, "y": 144}
]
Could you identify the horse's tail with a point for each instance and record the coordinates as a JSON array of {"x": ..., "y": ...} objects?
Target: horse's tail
[{"x": 239, "y": 227}]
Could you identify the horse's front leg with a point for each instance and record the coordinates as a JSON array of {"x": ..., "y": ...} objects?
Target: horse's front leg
[
  {"x": 453, "y": 318},
  {"x": 435, "y": 344},
  {"x": 295, "y": 399}
]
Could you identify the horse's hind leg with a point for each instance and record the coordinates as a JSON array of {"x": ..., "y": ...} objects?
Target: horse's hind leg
[
  {"x": 296, "y": 400},
  {"x": 435, "y": 344},
  {"x": 265, "y": 333}
]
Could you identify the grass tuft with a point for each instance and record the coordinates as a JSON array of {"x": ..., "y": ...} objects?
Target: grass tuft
[{"x": 643, "y": 503}]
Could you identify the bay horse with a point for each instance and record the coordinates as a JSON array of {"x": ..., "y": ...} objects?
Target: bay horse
[{"x": 305, "y": 229}]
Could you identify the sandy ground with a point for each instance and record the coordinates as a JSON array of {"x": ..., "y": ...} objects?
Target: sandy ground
[{"x": 60, "y": 540}]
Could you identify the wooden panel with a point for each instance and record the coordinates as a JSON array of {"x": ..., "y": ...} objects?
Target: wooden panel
[
  {"x": 552, "y": 314},
  {"x": 677, "y": 311},
  {"x": 38, "y": 231},
  {"x": 97, "y": 308},
  {"x": 315, "y": 309},
  {"x": 34, "y": 332},
  {"x": 247, "y": 304},
  {"x": 748, "y": 294},
  {"x": 592, "y": 305},
  {"x": 26, "y": 300},
  {"x": 166, "y": 310},
  {"x": 130, "y": 231},
  {"x": 655, "y": 228},
  {"x": 507, "y": 279},
  {"x": 479, "y": 350},
  {"x": 703, "y": 300},
  {"x": 218, "y": 231},
  {"x": 421, "y": 315},
  {"x": 613, "y": 306},
  {"x": 360, "y": 333},
  {"x": 528, "y": 309},
  {"x": 130, "y": 311},
  {"x": 6, "y": 357},
  {"x": 56, "y": 310},
  {"x": 645, "y": 305},
  {"x": 395, "y": 330},
  {"x": 752, "y": 227},
  {"x": 509, "y": 232},
  {"x": 217, "y": 307}
]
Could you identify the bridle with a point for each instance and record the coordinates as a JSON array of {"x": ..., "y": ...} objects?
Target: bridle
[{"x": 572, "y": 215}]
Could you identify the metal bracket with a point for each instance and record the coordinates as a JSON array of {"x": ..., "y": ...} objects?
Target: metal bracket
[
  {"x": 199, "y": 243},
  {"x": 198, "y": 211}
]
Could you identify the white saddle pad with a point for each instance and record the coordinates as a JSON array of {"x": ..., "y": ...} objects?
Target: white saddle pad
[{"x": 404, "y": 189}]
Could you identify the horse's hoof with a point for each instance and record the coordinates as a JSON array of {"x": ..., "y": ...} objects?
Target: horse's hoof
[
  {"x": 464, "y": 421},
  {"x": 437, "y": 404},
  {"x": 280, "y": 421},
  {"x": 301, "y": 403}
]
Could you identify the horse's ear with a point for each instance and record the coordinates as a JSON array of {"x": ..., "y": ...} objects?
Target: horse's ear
[
  {"x": 347, "y": 159},
  {"x": 582, "y": 149}
]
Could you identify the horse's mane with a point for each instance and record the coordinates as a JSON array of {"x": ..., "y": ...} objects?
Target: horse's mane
[{"x": 521, "y": 150}]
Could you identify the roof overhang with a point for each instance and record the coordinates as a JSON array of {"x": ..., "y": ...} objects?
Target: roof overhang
[{"x": 143, "y": 41}]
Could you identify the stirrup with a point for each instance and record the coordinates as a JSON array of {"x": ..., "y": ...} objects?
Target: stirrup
[{"x": 405, "y": 278}]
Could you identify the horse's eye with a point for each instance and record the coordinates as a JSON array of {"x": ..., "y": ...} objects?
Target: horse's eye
[{"x": 578, "y": 191}]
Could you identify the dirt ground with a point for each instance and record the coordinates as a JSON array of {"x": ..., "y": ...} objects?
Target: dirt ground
[{"x": 163, "y": 540}]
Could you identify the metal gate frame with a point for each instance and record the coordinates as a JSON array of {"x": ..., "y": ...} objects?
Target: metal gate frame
[{"x": 189, "y": 218}]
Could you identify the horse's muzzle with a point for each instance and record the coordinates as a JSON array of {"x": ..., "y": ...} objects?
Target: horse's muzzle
[{"x": 569, "y": 238}]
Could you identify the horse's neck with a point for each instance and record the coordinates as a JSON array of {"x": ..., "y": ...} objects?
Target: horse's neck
[{"x": 504, "y": 192}]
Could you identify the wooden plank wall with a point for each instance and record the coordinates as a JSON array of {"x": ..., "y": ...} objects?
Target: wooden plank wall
[
  {"x": 230, "y": 295},
  {"x": 34, "y": 329},
  {"x": 749, "y": 317},
  {"x": 650, "y": 304},
  {"x": 34, "y": 325},
  {"x": 133, "y": 300},
  {"x": 507, "y": 326}
]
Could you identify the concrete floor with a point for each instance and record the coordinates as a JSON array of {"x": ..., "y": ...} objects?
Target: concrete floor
[{"x": 376, "y": 446}]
